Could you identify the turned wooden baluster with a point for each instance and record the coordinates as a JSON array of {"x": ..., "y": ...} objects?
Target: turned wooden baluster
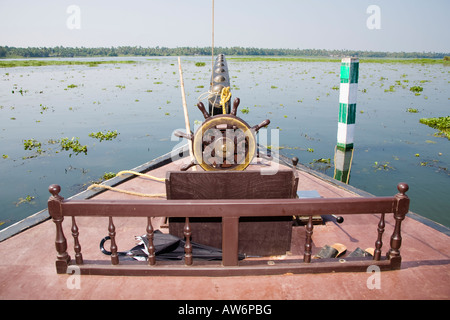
[
  {"x": 151, "y": 248},
  {"x": 55, "y": 211},
  {"x": 76, "y": 243},
  {"x": 112, "y": 235},
  {"x": 188, "y": 246},
  {"x": 400, "y": 211},
  {"x": 308, "y": 242},
  {"x": 379, "y": 242}
]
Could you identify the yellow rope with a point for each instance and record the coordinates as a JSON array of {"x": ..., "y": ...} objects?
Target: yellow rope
[
  {"x": 225, "y": 95},
  {"x": 155, "y": 195},
  {"x": 141, "y": 175},
  {"x": 350, "y": 166}
]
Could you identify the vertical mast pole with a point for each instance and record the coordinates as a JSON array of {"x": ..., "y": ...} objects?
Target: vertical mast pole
[
  {"x": 186, "y": 115},
  {"x": 212, "y": 43}
]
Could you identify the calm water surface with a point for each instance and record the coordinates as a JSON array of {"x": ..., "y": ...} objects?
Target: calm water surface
[{"x": 142, "y": 102}]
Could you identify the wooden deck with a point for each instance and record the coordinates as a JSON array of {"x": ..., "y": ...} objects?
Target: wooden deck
[{"x": 27, "y": 269}]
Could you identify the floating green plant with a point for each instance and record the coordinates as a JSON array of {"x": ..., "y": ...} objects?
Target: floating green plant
[
  {"x": 27, "y": 199},
  {"x": 321, "y": 165},
  {"x": 245, "y": 110},
  {"x": 290, "y": 59},
  {"x": 74, "y": 145},
  {"x": 382, "y": 166},
  {"x": 109, "y": 135},
  {"x": 322, "y": 160},
  {"x": 39, "y": 63},
  {"x": 105, "y": 176},
  {"x": 21, "y": 91},
  {"x": 416, "y": 89},
  {"x": 31, "y": 144},
  {"x": 43, "y": 108},
  {"x": 412, "y": 110},
  {"x": 200, "y": 64},
  {"x": 391, "y": 89},
  {"x": 108, "y": 175},
  {"x": 326, "y": 59},
  {"x": 441, "y": 123}
]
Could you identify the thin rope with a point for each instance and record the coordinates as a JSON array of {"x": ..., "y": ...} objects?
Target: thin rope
[
  {"x": 155, "y": 195},
  {"x": 208, "y": 95},
  {"x": 350, "y": 166},
  {"x": 141, "y": 175},
  {"x": 212, "y": 44}
]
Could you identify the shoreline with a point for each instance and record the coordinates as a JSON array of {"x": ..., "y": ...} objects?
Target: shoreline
[{"x": 47, "y": 61}]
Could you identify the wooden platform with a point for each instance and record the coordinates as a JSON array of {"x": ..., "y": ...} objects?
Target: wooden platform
[{"x": 27, "y": 268}]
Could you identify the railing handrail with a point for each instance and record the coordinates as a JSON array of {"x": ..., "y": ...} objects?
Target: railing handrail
[
  {"x": 228, "y": 207},
  {"x": 230, "y": 210}
]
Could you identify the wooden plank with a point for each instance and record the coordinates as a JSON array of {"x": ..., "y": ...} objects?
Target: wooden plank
[{"x": 266, "y": 267}]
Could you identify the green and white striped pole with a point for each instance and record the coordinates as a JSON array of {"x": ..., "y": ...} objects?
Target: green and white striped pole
[
  {"x": 347, "y": 103},
  {"x": 347, "y": 116},
  {"x": 342, "y": 164}
]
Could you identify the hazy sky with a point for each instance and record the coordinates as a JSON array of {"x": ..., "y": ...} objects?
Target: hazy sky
[{"x": 399, "y": 25}]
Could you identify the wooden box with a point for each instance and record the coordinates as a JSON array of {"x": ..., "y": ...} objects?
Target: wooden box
[{"x": 258, "y": 236}]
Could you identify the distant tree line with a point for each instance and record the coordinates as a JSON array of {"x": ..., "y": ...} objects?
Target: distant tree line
[{"x": 64, "y": 52}]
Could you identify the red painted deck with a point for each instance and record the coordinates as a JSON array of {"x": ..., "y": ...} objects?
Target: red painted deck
[{"x": 27, "y": 269}]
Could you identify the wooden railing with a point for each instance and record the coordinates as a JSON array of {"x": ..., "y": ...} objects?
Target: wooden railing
[{"x": 230, "y": 211}]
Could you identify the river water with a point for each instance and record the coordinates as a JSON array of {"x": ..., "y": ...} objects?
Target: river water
[{"x": 142, "y": 101}]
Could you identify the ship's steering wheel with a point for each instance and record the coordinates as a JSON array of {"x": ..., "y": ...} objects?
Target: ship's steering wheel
[{"x": 224, "y": 141}]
